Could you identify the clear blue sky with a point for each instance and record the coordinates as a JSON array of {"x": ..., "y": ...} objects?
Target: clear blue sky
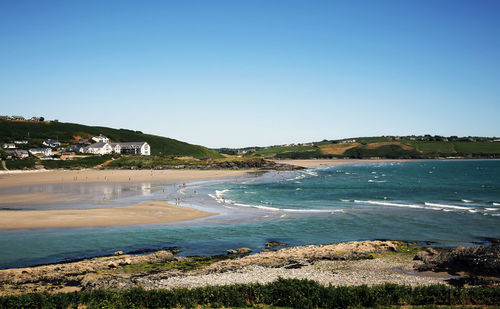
[{"x": 242, "y": 73}]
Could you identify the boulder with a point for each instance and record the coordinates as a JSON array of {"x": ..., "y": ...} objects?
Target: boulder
[
  {"x": 481, "y": 261},
  {"x": 240, "y": 251},
  {"x": 119, "y": 253},
  {"x": 272, "y": 244}
]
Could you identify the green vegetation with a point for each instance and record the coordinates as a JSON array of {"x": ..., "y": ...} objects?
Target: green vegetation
[
  {"x": 292, "y": 293},
  {"x": 166, "y": 161},
  {"x": 443, "y": 148},
  {"x": 68, "y": 133},
  {"x": 385, "y": 151},
  {"x": 409, "y": 147},
  {"x": 283, "y": 149},
  {"x": 20, "y": 164},
  {"x": 480, "y": 148},
  {"x": 316, "y": 153},
  {"x": 86, "y": 162},
  {"x": 183, "y": 264}
]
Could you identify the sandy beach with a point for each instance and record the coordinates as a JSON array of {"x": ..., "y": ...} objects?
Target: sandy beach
[
  {"x": 142, "y": 213},
  {"x": 29, "y": 178},
  {"x": 149, "y": 212}
]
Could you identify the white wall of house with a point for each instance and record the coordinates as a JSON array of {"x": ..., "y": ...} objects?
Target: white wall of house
[
  {"x": 145, "y": 149},
  {"x": 100, "y": 139},
  {"x": 44, "y": 151},
  {"x": 102, "y": 150}
]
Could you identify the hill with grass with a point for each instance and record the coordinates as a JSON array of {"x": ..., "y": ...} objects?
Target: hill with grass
[
  {"x": 69, "y": 133},
  {"x": 391, "y": 147}
]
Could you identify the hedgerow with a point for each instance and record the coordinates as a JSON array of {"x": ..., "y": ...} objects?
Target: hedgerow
[{"x": 281, "y": 293}]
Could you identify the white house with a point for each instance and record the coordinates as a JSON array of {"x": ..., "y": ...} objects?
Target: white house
[
  {"x": 21, "y": 142},
  {"x": 116, "y": 147},
  {"x": 9, "y": 146},
  {"x": 21, "y": 154},
  {"x": 51, "y": 143},
  {"x": 44, "y": 151},
  {"x": 100, "y": 139},
  {"x": 136, "y": 148},
  {"x": 98, "y": 148}
]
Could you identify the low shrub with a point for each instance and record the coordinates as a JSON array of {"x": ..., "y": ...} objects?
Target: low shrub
[{"x": 293, "y": 293}]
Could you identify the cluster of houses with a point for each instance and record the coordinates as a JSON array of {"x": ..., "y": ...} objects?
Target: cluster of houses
[
  {"x": 4, "y": 117},
  {"x": 101, "y": 146}
]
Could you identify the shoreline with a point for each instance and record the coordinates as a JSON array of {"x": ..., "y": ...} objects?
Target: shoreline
[
  {"x": 150, "y": 212},
  {"x": 351, "y": 263}
]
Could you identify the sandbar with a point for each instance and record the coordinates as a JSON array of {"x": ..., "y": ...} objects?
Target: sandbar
[{"x": 149, "y": 212}]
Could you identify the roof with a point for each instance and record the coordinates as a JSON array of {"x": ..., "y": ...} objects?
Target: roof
[
  {"x": 129, "y": 145},
  {"x": 97, "y": 145}
]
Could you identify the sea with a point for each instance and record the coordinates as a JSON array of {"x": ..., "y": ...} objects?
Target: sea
[{"x": 435, "y": 202}]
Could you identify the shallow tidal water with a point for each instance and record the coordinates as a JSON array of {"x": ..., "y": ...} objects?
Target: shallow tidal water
[{"x": 449, "y": 203}]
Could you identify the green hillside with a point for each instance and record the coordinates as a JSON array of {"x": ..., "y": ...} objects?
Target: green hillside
[
  {"x": 69, "y": 133},
  {"x": 408, "y": 147}
]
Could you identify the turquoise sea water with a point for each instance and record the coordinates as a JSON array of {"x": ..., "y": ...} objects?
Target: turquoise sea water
[{"x": 447, "y": 202}]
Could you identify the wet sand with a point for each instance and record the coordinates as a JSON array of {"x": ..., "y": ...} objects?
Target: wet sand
[{"x": 143, "y": 213}]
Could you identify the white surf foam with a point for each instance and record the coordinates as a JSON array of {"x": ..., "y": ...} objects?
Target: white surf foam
[
  {"x": 275, "y": 209},
  {"x": 446, "y": 206},
  {"x": 496, "y": 204},
  {"x": 467, "y": 201},
  {"x": 389, "y": 204}
]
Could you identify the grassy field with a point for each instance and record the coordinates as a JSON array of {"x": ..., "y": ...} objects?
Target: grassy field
[
  {"x": 477, "y": 147},
  {"x": 281, "y": 149},
  {"x": 68, "y": 133},
  {"x": 433, "y": 147},
  {"x": 388, "y": 147}
]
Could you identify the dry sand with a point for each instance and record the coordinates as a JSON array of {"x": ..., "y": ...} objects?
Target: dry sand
[
  {"x": 17, "y": 179},
  {"x": 142, "y": 213}
]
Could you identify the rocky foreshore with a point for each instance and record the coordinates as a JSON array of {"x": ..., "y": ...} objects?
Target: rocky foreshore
[
  {"x": 351, "y": 263},
  {"x": 260, "y": 164}
]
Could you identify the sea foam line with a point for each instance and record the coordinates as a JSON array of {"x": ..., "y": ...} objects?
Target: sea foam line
[
  {"x": 274, "y": 209},
  {"x": 389, "y": 204},
  {"x": 446, "y": 206}
]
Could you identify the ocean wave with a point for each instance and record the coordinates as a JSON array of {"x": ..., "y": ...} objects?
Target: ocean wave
[
  {"x": 466, "y": 201},
  {"x": 492, "y": 209},
  {"x": 495, "y": 204},
  {"x": 446, "y": 206},
  {"x": 275, "y": 209},
  {"x": 389, "y": 204},
  {"x": 428, "y": 206}
]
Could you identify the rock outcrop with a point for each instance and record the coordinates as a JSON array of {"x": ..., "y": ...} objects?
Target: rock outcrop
[{"x": 476, "y": 261}]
